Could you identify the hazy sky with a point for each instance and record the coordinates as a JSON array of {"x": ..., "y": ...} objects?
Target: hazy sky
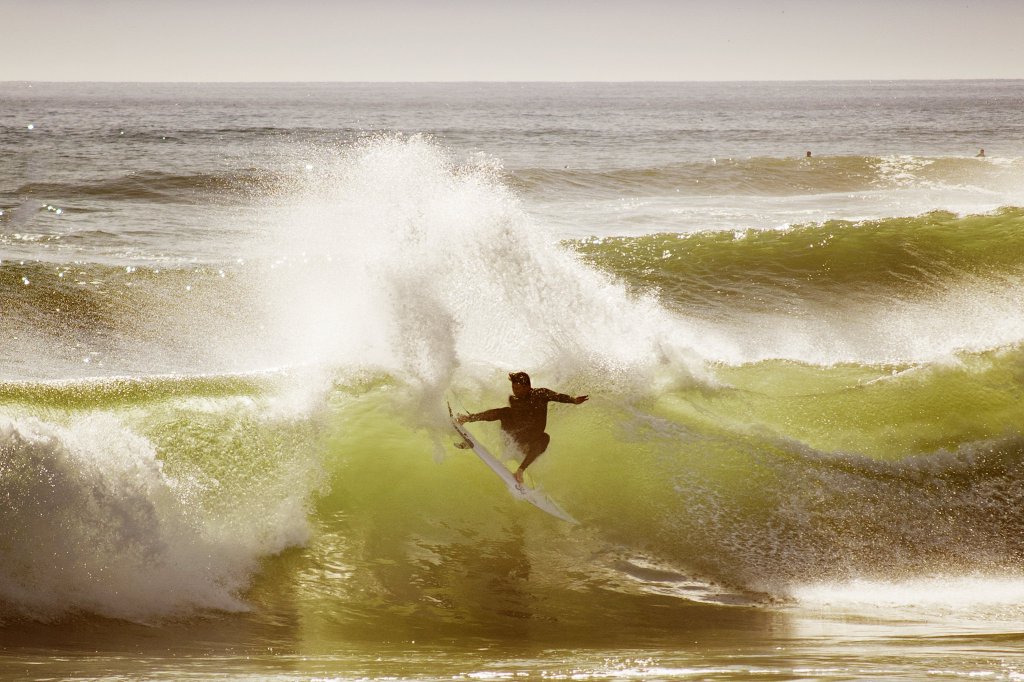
[{"x": 444, "y": 40}]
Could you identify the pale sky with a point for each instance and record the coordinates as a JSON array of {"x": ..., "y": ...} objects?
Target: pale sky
[{"x": 511, "y": 40}]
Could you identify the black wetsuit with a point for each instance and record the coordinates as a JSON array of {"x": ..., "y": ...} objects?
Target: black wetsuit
[{"x": 525, "y": 419}]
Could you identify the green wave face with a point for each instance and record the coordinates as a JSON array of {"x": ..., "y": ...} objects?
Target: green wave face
[
  {"x": 696, "y": 499},
  {"x": 351, "y": 512}
]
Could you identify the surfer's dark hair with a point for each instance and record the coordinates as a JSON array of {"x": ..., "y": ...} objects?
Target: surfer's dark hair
[{"x": 519, "y": 378}]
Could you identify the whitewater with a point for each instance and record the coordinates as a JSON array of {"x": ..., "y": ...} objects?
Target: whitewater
[{"x": 229, "y": 335}]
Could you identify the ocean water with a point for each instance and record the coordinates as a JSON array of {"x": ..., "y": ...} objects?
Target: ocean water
[{"x": 231, "y": 317}]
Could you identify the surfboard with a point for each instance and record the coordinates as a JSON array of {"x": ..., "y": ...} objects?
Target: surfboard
[{"x": 518, "y": 491}]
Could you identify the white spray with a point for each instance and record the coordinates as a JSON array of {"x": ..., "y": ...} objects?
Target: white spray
[{"x": 391, "y": 255}]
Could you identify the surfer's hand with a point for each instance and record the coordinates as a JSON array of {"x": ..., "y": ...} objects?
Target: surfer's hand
[
  {"x": 462, "y": 418},
  {"x": 581, "y": 399}
]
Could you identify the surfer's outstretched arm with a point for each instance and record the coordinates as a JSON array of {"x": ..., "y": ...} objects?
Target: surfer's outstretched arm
[
  {"x": 485, "y": 416},
  {"x": 550, "y": 395}
]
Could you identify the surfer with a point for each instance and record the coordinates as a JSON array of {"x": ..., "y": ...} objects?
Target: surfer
[
  {"x": 980, "y": 154},
  {"x": 526, "y": 417}
]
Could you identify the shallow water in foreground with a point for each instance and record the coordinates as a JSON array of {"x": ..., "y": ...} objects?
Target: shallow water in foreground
[{"x": 795, "y": 648}]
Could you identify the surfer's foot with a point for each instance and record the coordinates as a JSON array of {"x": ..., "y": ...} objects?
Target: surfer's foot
[
  {"x": 464, "y": 445},
  {"x": 518, "y": 476}
]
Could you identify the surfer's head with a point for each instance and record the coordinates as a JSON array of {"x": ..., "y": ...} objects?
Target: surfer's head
[
  {"x": 519, "y": 378},
  {"x": 520, "y": 383}
]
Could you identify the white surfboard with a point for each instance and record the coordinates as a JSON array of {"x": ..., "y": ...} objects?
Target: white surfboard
[{"x": 519, "y": 491}]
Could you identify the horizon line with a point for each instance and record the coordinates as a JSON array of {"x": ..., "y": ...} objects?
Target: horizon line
[{"x": 499, "y": 82}]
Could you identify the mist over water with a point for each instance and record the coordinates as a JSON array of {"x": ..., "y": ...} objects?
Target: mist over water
[{"x": 229, "y": 335}]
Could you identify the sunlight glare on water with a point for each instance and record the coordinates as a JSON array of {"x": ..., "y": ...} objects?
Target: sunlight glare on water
[{"x": 965, "y": 598}]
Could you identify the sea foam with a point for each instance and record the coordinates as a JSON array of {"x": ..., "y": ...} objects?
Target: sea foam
[{"x": 93, "y": 523}]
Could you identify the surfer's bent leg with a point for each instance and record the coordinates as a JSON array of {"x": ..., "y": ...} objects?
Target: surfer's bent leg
[{"x": 532, "y": 450}]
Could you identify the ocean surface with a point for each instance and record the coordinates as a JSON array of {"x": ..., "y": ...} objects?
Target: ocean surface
[{"x": 231, "y": 317}]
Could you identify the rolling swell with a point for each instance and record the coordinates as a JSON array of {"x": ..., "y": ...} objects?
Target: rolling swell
[
  {"x": 157, "y": 187},
  {"x": 899, "y": 290},
  {"x": 769, "y": 177},
  {"x": 835, "y": 260}
]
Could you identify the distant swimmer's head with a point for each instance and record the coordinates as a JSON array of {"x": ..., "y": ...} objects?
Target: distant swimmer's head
[{"x": 520, "y": 383}]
